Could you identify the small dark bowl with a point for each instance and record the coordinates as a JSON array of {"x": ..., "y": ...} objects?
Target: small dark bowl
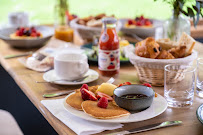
[{"x": 138, "y": 104}]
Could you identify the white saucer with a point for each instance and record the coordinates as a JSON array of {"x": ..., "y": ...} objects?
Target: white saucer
[
  {"x": 50, "y": 76},
  {"x": 159, "y": 105}
]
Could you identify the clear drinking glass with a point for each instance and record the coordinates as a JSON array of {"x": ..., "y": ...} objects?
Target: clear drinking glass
[
  {"x": 179, "y": 82},
  {"x": 200, "y": 77}
]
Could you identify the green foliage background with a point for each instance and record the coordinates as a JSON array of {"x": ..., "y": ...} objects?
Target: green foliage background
[{"x": 42, "y": 11}]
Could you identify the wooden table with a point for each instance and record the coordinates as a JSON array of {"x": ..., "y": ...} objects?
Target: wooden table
[{"x": 26, "y": 78}]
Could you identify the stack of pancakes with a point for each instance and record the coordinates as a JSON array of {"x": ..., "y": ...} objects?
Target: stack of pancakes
[{"x": 90, "y": 107}]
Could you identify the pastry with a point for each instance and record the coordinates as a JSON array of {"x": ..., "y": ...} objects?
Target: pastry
[
  {"x": 112, "y": 111},
  {"x": 147, "y": 48},
  {"x": 188, "y": 41},
  {"x": 165, "y": 55},
  {"x": 166, "y": 43},
  {"x": 178, "y": 52},
  {"x": 92, "y": 21}
]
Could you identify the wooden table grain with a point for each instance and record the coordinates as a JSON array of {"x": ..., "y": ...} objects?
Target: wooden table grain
[{"x": 26, "y": 78}]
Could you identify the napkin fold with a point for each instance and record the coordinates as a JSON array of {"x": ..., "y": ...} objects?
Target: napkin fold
[{"x": 78, "y": 125}]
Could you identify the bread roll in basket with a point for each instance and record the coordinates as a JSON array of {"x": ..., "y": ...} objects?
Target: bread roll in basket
[{"x": 152, "y": 70}]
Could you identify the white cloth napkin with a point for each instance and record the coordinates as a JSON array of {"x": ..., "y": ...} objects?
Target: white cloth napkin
[{"x": 78, "y": 125}]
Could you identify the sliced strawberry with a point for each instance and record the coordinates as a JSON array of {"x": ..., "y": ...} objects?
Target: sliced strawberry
[
  {"x": 38, "y": 34},
  {"x": 33, "y": 35},
  {"x": 100, "y": 95},
  {"x": 84, "y": 94},
  {"x": 103, "y": 102},
  {"x": 147, "y": 84},
  {"x": 120, "y": 85},
  {"x": 92, "y": 96},
  {"x": 87, "y": 95},
  {"x": 126, "y": 83},
  {"x": 148, "y": 23}
]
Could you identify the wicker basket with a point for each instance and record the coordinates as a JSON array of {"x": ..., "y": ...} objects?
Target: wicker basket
[
  {"x": 88, "y": 32},
  {"x": 152, "y": 70}
]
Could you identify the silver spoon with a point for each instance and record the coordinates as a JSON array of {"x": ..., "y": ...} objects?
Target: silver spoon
[
  {"x": 111, "y": 80},
  {"x": 77, "y": 80}
]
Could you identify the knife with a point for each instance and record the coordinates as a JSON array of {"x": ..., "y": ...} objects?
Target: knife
[
  {"x": 148, "y": 127},
  {"x": 18, "y": 55}
]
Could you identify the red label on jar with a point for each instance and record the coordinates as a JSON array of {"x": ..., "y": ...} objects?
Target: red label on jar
[{"x": 108, "y": 60}]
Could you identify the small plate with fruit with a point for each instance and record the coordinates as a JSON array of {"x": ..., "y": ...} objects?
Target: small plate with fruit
[
  {"x": 96, "y": 103},
  {"x": 140, "y": 26},
  {"x": 26, "y": 37},
  {"x": 92, "y": 51}
]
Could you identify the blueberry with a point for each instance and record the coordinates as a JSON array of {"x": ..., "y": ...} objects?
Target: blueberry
[{"x": 26, "y": 32}]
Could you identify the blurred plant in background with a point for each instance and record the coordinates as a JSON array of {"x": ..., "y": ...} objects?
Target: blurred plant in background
[
  {"x": 177, "y": 24},
  {"x": 60, "y": 9}
]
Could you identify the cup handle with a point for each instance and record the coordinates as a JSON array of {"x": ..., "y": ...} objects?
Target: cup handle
[{"x": 83, "y": 66}]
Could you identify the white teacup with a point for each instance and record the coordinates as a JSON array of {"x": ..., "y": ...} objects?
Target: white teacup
[{"x": 70, "y": 66}]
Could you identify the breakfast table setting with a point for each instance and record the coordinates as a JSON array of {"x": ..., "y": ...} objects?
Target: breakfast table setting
[
  {"x": 66, "y": 123},
  {"x": 105, "y": 75}
]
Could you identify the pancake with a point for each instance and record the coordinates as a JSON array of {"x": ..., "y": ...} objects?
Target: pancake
[
  {"x": 112, "y": 111},
  {"x": 75, "y": 100}
]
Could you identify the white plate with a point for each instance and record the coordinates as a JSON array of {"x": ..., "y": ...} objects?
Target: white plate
[
  {"x": 158, "y": 106},
  {"x": 46, "y": 31},
  {"x": 141, "y": 31},
  {"x": 50, "y": 76}
]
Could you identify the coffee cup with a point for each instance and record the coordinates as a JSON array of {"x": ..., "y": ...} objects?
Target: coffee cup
[{"x": 70, "y": 66}]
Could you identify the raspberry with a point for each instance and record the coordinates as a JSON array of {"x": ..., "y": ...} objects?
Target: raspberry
[
  {"x": 142, "y": 17},
  {"x": 138, "y": 23},
  {"x": 100, "y": 95},
  {"x": 103, "y": 102},
  {"x": 84, "y": 86},
  {"x": 147, "y": 84},
  {"x": 130, "y": 22}
]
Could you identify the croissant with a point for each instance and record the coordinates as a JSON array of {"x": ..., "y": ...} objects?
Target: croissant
[{"x": 147, "y": 48}]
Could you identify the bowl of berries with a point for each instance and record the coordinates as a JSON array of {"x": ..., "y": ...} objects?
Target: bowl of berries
[
  {"x": 140, "y": 26},
  {"x": 26, "y": 37}
]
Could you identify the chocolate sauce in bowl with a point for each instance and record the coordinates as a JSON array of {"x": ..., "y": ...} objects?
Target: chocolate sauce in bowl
[{"x": 134, "y": 96}]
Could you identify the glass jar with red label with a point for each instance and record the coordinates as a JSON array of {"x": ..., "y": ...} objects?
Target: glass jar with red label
[{"x": 108, "y": 53}]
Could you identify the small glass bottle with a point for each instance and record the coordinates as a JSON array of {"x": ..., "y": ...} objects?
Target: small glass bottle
[
  {"x": 62, "y": 30},
  {"x": 108, "y": 54}
]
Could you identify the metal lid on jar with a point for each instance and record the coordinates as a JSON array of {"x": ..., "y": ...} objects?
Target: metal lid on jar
[{"x": 109, "y": 20}]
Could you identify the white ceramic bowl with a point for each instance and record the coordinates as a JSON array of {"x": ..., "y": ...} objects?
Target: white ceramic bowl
[
  {"x": 46, "y": 31},
  {"x": 141, "y": 31}
]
